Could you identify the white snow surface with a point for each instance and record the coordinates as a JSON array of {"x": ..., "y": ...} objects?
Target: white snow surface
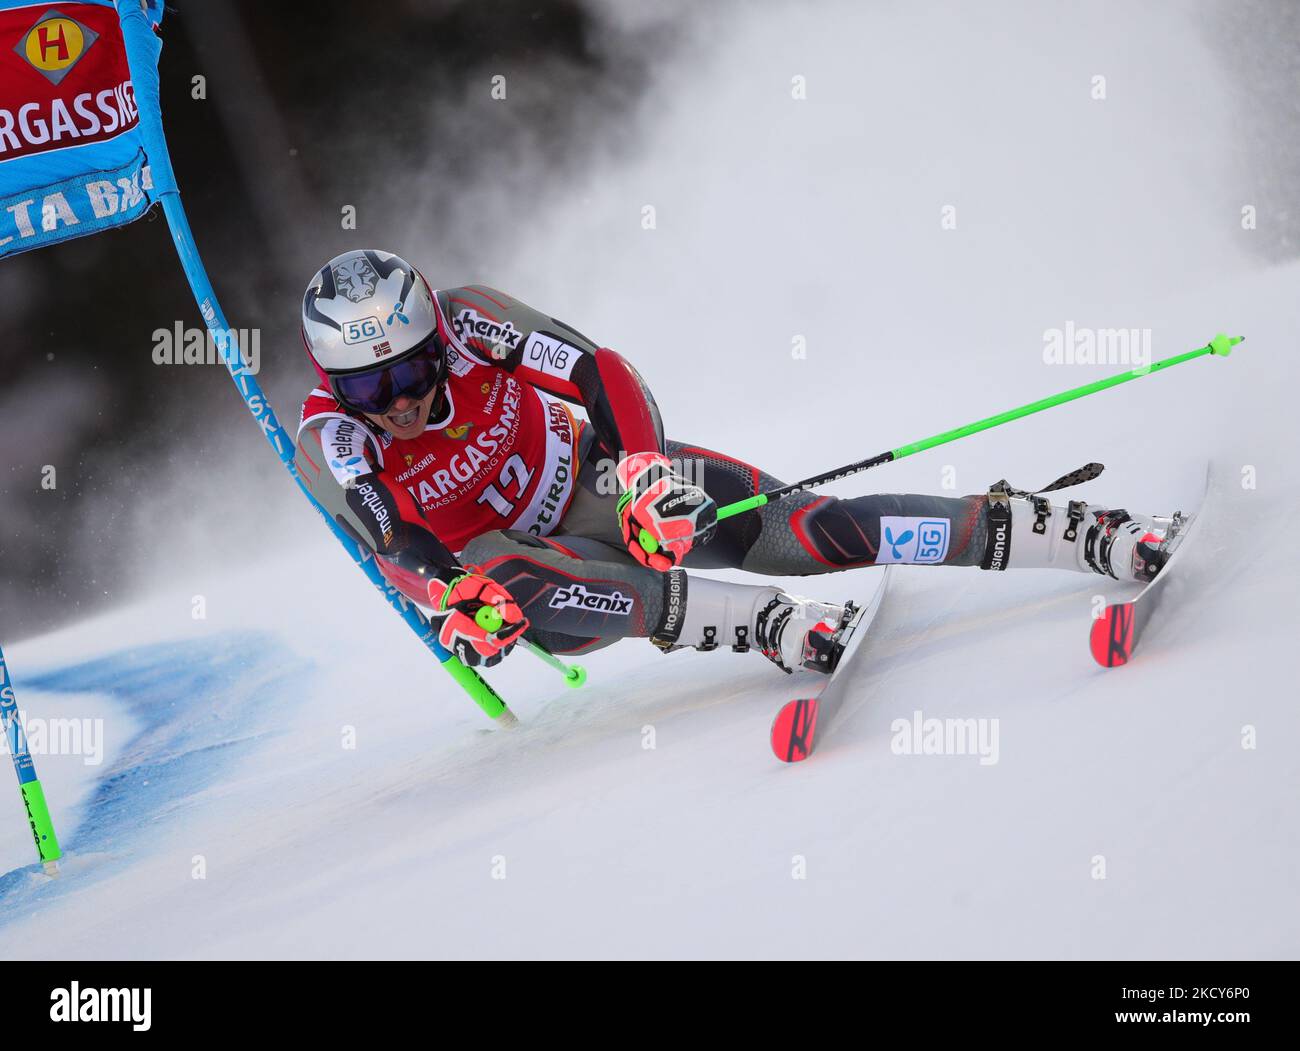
[{"x": 301, "y": 753}]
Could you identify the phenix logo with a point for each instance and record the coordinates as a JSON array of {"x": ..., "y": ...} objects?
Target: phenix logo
[
  {"x": 76, "y": 1004},
  {"x": 499, "y": 339},
  {"x": 578, "y": 596}
]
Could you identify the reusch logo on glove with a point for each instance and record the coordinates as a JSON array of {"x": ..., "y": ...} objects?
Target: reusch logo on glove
[
  {"x": 682, "y": 498},
  {"x": 576, "y": 595}
]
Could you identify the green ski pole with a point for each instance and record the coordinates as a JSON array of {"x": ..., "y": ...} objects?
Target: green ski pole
[{"x": 1220, "y": 345}]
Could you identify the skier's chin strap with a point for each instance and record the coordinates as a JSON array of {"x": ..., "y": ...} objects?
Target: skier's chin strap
[{"x": 997, "y": 545}]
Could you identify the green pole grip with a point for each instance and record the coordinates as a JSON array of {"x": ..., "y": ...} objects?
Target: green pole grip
[
  {"x": 38, "y": 816},
  {"x": 478, "y": 689},
  {"x": 741, "y": 506},
  {"x": 575, "y": 675}
]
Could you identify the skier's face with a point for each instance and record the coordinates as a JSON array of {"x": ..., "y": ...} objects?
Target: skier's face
[{"x": 407, "y": 417}]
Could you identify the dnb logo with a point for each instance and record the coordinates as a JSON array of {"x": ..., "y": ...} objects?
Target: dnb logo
[{"x": 55, "y": 44}]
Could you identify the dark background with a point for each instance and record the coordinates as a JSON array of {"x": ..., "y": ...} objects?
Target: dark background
[{"x": 310, "y": 107}]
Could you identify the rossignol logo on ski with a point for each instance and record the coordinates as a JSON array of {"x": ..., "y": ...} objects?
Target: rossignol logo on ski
[{"x": 578, "y": 597}]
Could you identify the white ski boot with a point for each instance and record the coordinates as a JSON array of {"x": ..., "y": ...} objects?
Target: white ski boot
[
  {"x": 1128, "y": 547},
  {"x": 1025, "y": 531},
  {"x": 791, "y": 631}
]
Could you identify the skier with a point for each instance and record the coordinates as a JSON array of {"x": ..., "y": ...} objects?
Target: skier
[{"x": 441, "y": 436}]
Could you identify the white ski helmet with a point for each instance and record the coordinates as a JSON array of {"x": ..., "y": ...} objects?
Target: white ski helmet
[{"x": 365, "y": 312}]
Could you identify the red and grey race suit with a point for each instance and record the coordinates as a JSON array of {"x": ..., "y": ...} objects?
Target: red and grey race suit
[{"x": 509, "y": 478}]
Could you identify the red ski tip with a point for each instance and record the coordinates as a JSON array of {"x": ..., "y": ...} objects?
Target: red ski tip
[
  {"x": 793, "y": 730},
  {"x": 1111, "y": 638}
]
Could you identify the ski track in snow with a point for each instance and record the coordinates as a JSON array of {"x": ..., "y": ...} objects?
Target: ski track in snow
[
  {"x": 687, "y": 848},
  {"x": 198, "y": 707}
]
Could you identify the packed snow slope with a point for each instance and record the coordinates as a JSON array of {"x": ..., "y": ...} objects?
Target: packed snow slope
[{"x": 292, "y": 776}]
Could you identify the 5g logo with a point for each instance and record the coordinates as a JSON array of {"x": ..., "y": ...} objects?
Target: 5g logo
[{"x": 360, "y": 331}]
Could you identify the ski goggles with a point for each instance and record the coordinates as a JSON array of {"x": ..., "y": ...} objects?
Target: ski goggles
[{"x": 375, "y": 390}]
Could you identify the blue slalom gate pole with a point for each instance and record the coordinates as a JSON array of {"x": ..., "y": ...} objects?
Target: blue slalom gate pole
[{"x": 143, "y": 47}]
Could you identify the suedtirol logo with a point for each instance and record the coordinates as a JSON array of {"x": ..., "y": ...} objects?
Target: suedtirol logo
[
  {"x": 551, "y": 501},
  {"x": 577, "y": 596},
  {"x": 55, "y": 44}
]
